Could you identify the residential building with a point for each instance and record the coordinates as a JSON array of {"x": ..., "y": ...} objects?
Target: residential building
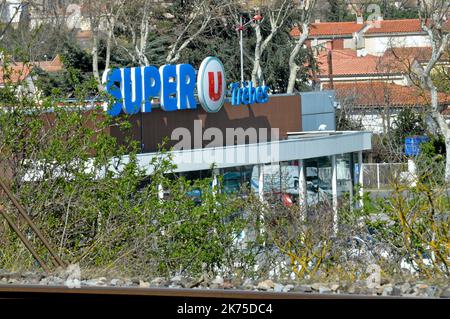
[
  {"x": 368, "y": 37},
  {"x": 20, "y": 75},
  {"x": 369, "y": 65}
]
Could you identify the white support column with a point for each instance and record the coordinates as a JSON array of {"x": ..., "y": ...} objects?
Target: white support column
[
  {"x": 361, "y": 178},
  {"x": 334, "y": 192},
  {"x": 412, "y": 172},
  {"x": 302, "y": 194},
  {"x": 378, "y": 175},
  {"x": 160, "y": 191},
  {"x": 215, "y": 180},
  {"x": 261, "y": 182}
]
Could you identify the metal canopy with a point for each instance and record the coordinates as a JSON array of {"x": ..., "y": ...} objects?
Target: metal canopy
[{"x": 307, "y": 146}]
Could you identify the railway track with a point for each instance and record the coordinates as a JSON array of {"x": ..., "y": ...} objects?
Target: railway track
[
  {"x": 199, "y": 303},
  {"x": 179, "y": 292}
]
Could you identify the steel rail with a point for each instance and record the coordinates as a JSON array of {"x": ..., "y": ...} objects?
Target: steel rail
[
  {"x": 185, "y": 292},
  {"x": 57, "y": 261},
  {"x": 25, "y": 241}
]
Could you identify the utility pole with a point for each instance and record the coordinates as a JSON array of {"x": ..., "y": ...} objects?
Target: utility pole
[{"x": 241, "y": 43}]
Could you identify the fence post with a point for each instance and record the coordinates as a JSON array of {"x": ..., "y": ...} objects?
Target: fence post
[
  {"x": 361, "y": 178},
  {"x": 378, "y": 175}
]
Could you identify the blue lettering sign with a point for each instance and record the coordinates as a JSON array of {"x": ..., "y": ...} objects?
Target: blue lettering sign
[
  {"x": 168, "y": 75},
  {"x": 133, "y": 89},
  {"x": 113, "y": 86},
  {"x": 248, "y": 94},
  {"x": 152, "y": 87},
  {"x": 185, "y": 86}
]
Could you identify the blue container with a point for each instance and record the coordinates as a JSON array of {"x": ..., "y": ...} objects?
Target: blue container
[{"x": 412, "y": 144}]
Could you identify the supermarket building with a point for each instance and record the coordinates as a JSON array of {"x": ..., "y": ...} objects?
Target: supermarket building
[{"x": 278, "y": 144}]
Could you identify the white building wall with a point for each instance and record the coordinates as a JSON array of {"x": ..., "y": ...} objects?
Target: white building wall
[
  {"x": 318, "y": 43},
  {"x": 11, "y": 9},
  {"x": 372, "y": 120},
  {"x": 378, "y": 45},
  {"x": 349, "y": 44}
]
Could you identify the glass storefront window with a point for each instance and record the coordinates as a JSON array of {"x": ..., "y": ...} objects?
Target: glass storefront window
[
  {"x": 236, "y": 179},
  {"x": 318, "y": 179},
  {"x": 344, "y": 178}
]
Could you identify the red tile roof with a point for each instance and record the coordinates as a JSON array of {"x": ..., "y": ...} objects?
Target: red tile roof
[
  {"x": 376, "y": 27},
  {"x": 330, "y": 28},
  {"x": 397, "y": 26},
  {"x": 346, "y": 62},
  {"x": 420, "y": 54},
  {"x": 14, "y": 73},
  {"x": 55, "y": 65},
  {"x": 373, "y": 94},
  {"x": 19, "y": 71}
]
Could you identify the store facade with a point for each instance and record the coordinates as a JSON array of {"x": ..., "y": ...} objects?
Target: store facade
[{"x": 237, "y": 131}]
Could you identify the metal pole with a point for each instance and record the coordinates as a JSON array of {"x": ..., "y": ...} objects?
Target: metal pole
[
  {"x": 25, "y": 241},
  {"x": 378, "y": 175},
  {"x": 361, "y": 178},
  {"x": 24, "y": 214},
  {"x": 334, "y": 192},
  {"x": 142, "y": 132},
  {"x": 302, "y": 193},
  {"x": 261, "y": 182},
  {"x": 215, "y": 180},
  {"x": 241, "y": 43}
]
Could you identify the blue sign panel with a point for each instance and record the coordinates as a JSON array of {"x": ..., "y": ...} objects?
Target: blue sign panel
[{"x": 412, "y": 145}]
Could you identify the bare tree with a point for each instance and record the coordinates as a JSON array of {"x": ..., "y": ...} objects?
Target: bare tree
[
  {"x": 305, "y": 8},
  {"x": 433, "y": 18},
  {"x": 101, "y": 13},
  {"x": 139, "y": 19},
  {"x": 135, "y": 19},
  {"x": 199, "y": 15},
  {"x": 277, "y": 12},
  {"x": 113, "y": 9},
  {"x": 4, "y": 8}
]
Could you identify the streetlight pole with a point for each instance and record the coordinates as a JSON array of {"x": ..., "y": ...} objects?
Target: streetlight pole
[
  {"x": 241, "y": 29},
  {"x": 241, "y": 26}
]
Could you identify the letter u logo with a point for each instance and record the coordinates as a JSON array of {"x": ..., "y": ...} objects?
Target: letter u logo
[{"x": 213, "y": 95}]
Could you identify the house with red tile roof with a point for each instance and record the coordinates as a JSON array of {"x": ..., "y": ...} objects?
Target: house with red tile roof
[
  {"x": 344, "y": 66},
  {"x": 20, "y": 74},
  {"x": 402, "y": 33},
  {"x": 375, "y": 105},
  {"x": 374, "y": 89},
  {"x": 54, "y": 65},
  {"x": 14, "y": 73},
  {"x": 339, "y": 35},
  {"x": 373, "y": 37}
]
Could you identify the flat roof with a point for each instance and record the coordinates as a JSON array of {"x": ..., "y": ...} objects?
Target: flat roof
[{"x": 302, "y": 145}]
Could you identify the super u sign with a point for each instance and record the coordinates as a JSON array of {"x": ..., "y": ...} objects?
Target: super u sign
[{"x": 134, "y": 89}]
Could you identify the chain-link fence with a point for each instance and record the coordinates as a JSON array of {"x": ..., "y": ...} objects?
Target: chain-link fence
[{"x": 382, "y": 175}]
